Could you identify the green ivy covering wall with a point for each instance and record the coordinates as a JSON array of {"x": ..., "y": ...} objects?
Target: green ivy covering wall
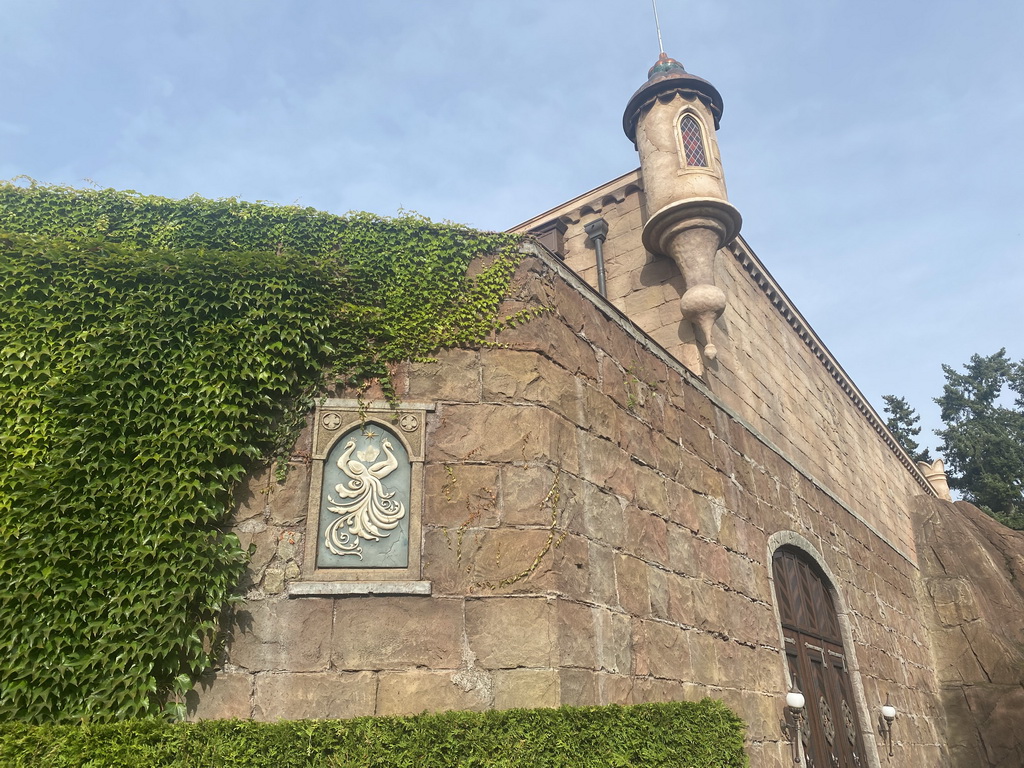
[
  {"x": 151, "y": 351},
  {"x": 701, "y": 734}
]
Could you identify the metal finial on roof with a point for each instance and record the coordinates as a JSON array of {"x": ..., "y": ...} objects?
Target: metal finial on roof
[{"x": 657, "y": 24}]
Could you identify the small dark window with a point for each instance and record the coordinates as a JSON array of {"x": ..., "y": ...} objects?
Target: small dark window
[{"x": 693, "y": 142}]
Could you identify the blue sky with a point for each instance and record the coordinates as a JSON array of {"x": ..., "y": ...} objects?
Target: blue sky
[{"x": 874, "y": 148}]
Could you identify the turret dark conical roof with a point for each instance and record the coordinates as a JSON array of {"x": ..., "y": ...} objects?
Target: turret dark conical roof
[{"x": 667, "y": 75}]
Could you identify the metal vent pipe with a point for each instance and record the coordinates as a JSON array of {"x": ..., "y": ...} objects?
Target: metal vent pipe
[{"x": 597, "y": 231}]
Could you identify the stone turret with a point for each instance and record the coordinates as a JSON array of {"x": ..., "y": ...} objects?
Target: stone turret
[{"x": 671, "y": 121}]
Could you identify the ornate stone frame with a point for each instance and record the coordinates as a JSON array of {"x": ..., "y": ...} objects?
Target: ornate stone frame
[
  {"x": 713, "y": 168},
  {"x": 332, "y": 419},
  {"x": 794, "y": 539}
]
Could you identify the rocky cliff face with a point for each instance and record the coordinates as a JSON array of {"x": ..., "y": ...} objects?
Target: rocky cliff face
[{"x": 973, "y": 572}]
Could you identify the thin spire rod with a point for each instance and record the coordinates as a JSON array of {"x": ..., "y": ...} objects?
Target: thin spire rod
[{"x": 657, "y": 24}]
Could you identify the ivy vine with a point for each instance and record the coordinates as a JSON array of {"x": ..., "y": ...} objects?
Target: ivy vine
[{"x": 151, "y": 352}]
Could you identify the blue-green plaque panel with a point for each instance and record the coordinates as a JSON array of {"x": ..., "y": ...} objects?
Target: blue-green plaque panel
[{"x": 364, "y": 506}]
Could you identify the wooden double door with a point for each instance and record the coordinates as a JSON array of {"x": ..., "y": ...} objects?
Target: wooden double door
[{"x": 817, "y": 663}]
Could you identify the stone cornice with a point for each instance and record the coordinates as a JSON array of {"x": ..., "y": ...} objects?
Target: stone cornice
[
  {"x": 762, "y": 279},
  {"x": 615, "y": 188}
]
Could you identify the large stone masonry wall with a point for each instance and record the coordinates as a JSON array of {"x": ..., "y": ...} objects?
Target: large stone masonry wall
[
  {"x": 595, "y": 530},
  {"x": 771, "y": 370}
]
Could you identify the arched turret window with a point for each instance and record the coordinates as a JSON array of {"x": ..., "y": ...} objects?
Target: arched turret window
[{"x": 693, "y": 142}]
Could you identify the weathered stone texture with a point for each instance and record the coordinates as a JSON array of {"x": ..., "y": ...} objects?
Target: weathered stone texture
[
  {"x": 419, "y": 690},
  {"x": 283, "y": 635},
  {"x": 508, "y": 632},
  {"x": 596, "y": 530},
  {"x": 397, "y": 632},
  {"x": 319, "y": 695},
  {"x": 973, "y": 571}
]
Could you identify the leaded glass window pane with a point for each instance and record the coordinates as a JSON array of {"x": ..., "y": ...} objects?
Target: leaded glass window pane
[{"x": 693, "y": 142}]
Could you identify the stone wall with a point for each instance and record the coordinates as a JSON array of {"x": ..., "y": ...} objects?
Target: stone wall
[
  {"x": 771, "y": 369},
  {"x": 973, "y": 569},
  {"x": 596, "y": 529}
]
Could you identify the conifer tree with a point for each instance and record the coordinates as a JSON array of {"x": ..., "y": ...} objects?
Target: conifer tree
[
  {"x": 983, "y": 442},
  {"x": 902, "y": 423}
]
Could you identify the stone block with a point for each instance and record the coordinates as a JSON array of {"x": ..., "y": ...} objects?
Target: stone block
[
  {"x": 614, "y": 642},
  {"x": 527, "y": 493},
  {"x": 997, "y": 711},
  {"x": 461, "y": 494},
  {"x": 703, "y": 659},
  {"x": 646, "y": 535},
  {"x": 455, "y": 377},
  {"x": 606, "y": 465},
  {"x": 423, "y": 690},
  {"x": 632, "y": 585},
  {"x": 250, "y": 499},
  {"x": 665, "y": 650},
  {"x": 652, "y": 493},
  {"x": 314, "y": 696},
  {"x": 254, "y": 535},
  {"x": 273, "y": 580},
  {"x": 551, "y": 337},
  {"x": 614, "y": 689},
  {"x": 657, "y": 583},
  {"x": 597, "y": 413},
  {"x": 221, "y": 696},
  {"x": 650, "y": 689},
  {"x": 715, "y": 562},
  {"x": 511, "y": 561},
  {"x": 760, "y": 711},
  {"x": 490, "y": 560},
  {"x": 397, "y": 632},
  {"x": 513, "y": 433},
  {"x": 526, "y": 377},
  {"x": 572, "y": 566},
  {"x": 738, "y": 665},
  {"x": 526, "y": 688},
  {"x": 286, "y": 635},
  {"x": 508, "y": 632},
  {"x": 601, "y": 575},
  {"x": 288, "y": 501},
  {"x": 578, "y": 634},
  {"x": 638, "y": 439},
  {"x": 682, "y": 550},
  {"x": 603, "y": 518},
  {"x": 579, "y": 688},
  {"x": 681, "y": 603}
]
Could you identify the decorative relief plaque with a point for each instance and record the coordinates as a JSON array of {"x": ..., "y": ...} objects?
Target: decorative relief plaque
[
  {"x": 364, "y": 507},
  {"x": 366, "y": 494}
]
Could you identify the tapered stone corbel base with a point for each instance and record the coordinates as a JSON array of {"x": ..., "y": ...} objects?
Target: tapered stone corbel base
[{"x": 691, "y": 232}]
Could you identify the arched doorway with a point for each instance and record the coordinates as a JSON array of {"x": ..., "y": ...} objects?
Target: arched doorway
[{"x": 817, "y": 661}]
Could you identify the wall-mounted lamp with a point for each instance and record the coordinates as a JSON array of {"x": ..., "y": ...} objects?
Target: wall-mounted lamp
[
  {"x": 793, "y": 723},
  {"x": 885, "y": 722}
]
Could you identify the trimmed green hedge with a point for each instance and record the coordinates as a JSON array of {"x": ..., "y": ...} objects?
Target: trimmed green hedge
[{"x": 702, "y": 734}]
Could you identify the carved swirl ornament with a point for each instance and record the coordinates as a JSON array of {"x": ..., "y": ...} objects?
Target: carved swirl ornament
[
  {"x": 848, "y": 722},
  {"x": 827, "y": 724},
  {"x": 366, "y": 509}
]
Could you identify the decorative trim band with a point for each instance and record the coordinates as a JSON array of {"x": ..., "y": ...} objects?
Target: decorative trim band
[{"x": 342, "y": 588}]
